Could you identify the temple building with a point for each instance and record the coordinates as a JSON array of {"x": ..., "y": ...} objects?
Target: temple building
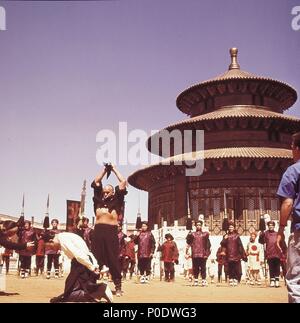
[{"x": 247, "y": 141}]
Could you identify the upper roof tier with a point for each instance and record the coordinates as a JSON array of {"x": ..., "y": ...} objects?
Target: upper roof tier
[{"x": 236, "y": 87}]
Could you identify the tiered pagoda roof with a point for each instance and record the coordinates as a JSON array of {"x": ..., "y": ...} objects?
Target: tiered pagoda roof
[
  {"x": 238, "y": 111},
  {"x": 279, "y": 95}
]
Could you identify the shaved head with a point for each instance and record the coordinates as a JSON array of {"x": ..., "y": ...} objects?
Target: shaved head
[{"x": 108, "y": 191}]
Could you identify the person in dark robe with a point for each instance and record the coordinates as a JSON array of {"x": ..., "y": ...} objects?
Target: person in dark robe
[
  {"x": 81, "y": 284},
  {"x": 146, "y": 247},
  {"x": 222, "y": 263},
  {"x": 40, "y": 253},
  {"x": 129, "y": 258},
  {"x": 272, "y": 253},
  {"x": 235, "y": 252},
  {"x": 200, "y": 246},
  {"x": 53, "y": 255},
  {"x": 8, "y": 229},
  {"x": 26, "y": 234}
]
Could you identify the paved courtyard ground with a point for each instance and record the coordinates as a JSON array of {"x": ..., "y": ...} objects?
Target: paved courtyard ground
[{"x": 40, "y": 290}]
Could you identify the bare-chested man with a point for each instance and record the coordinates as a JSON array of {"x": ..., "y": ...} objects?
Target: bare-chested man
[{"x": 108, "y": 204}]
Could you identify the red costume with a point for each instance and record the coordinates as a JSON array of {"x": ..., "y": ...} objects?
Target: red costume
[
  {"x": 234, "y": 253},
  {"x": 222, "y": 261},
  {"x": 169, "y": 255},
  {"x": 200, "y": 245},
  {"x": 146, "y": 247},
  {"x": 26, "y": 235},
  {"x": 40, "y": 255},
  {"x": 129, "y": 258},
  {"x": 272, "y": 253}
]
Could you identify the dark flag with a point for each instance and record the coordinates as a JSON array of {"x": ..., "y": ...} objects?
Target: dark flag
[
  {"x": 138, "y": 223},
  {"x": 73, "y": 208},
  {"x": 22, "y": 219},
  {"x": 262, "y": 224},
  {"x": 189, "y": 224},
  {"x": 46, "y": 223},
  {"x": 225, "y": 224}
]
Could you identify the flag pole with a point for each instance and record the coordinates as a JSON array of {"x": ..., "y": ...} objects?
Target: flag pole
[
  {"x": 189, "y": 223},
  {"x": 48, "y": 203},
  {"x": 22, "y": 217},
  {"x": 23, "y": 205},
  {"x": 225, "y": 220},
  {"x": 46, "y": 223},
  {"x": 138, "y": 223}
]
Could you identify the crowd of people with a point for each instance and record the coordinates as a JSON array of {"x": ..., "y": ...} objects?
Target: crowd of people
[
  {"x": 259, "y": 257},
  {"x": 136, "y": 255},
  {"x": 42, "y": 256},
  {"x": 105, "y": 249}
]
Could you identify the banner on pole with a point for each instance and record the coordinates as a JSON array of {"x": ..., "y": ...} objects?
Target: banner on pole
[{"x": 73, "y": 208}]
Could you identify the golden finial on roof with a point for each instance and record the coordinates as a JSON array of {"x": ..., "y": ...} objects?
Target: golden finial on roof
[{"x": 234, "y": 64}]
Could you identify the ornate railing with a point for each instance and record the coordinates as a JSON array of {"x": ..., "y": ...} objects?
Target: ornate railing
[{"x": 245, "y": 225}]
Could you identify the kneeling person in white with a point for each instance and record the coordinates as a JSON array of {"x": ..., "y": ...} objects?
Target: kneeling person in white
[{"x": 81, "y": 284}]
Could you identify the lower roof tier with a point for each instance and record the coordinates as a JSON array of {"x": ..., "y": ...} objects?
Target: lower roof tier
[{"x": 259, "y": 156}]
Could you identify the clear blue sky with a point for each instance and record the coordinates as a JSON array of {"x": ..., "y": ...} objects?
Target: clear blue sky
[{"x": 69, "y": 69}]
